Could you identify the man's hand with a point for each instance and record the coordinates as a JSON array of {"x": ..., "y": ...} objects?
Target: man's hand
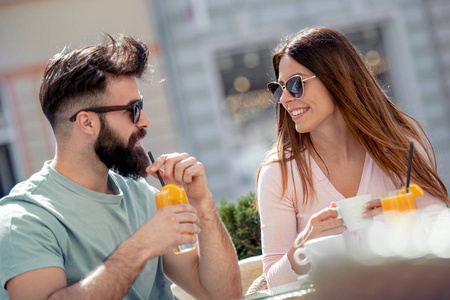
[
  {"x": 183, "y": 170},
  {"x": 167, "y": 229}
]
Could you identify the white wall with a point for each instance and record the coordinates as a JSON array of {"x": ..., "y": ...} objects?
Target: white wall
[{"x": 33, "y": 31}]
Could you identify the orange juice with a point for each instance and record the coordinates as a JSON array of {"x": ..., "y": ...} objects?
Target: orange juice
[
  {"x": 397, "y": 203},
  {"x": 171, "y": 194},
  {"x": 403, "y": 202}
]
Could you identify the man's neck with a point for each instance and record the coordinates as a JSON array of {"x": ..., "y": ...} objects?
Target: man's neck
[{"x": 90, "y": 174}]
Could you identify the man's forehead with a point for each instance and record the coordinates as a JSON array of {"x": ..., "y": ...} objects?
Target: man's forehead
[{"x": 123, "y": 89}]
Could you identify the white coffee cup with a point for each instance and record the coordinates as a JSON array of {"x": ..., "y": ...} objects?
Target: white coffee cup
[
  {"x": 321, "y": 249},
  {"x": 351, "y": 209}
]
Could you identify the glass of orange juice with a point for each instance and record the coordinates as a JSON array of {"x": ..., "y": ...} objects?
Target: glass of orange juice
[
  {"x": 171, "y": 194},
  {"x": 397, "y": 203}
]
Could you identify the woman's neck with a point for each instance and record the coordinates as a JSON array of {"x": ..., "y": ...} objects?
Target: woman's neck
[{"x": 337, "y": 145}]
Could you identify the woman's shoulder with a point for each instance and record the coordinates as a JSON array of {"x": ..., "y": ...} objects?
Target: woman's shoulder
[{"x": 273, "y": 163}]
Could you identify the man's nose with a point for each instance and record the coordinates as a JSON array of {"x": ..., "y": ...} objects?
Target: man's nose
[{"x": 144, "y": 121}]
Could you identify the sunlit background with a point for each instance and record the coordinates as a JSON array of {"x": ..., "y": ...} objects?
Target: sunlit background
[{"x": 211, "y": 62}]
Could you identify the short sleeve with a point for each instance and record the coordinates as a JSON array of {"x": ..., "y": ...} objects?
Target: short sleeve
[{"x": 26, "y": 241}]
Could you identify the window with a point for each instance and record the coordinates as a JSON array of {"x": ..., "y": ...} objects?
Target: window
[
  {"x": 3, "y": 123},
  {"x": 248, "y": 107},
  {"x": 369, "y": 42},
  {"x": 7, "y": 175},
  {"x": 7, "y": 178},
  {"x": 244, "y": 77}
]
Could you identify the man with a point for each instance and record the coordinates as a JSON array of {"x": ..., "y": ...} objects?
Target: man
[{"x": 86, "y": 225}]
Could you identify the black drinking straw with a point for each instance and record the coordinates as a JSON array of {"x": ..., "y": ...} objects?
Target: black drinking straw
[
  {"x": 157, "y": 172},
  {"x": 408, "y": 176}
]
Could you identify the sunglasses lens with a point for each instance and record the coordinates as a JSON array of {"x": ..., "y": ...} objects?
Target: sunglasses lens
[
  {"x": 276, "y": 90},
  {"x": 295, "y": 86},
  {"x": 136, "y": 113}
]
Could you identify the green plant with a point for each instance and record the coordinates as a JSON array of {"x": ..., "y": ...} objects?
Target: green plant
[{"x": 242, "y": 222}]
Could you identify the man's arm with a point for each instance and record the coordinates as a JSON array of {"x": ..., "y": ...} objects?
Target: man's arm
[
  {"x": 113, "y": 278},
  {"x": 212, "y": 271}
]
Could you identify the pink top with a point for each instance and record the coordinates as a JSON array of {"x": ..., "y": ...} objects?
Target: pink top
[{"x": 283, "y": 220}]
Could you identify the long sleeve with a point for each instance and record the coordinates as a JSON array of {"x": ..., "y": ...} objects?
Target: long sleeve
[{"x": 278, "y": 226}]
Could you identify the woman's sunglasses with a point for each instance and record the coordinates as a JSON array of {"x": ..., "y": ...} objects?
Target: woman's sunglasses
[
  {"x": 134, "y": 107},
  {"x": 294, "y": 85}
]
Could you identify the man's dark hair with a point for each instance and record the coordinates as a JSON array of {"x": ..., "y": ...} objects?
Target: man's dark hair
[{"x": 71, "y": 77}]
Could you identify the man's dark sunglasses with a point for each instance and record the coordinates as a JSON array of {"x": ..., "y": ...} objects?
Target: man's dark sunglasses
[
  {"x": 134, "y": 107},
  {"x": 294, "y": 85}
]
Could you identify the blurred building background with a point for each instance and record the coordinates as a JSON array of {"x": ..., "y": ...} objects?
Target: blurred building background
[{"x": 215, "y": 59}]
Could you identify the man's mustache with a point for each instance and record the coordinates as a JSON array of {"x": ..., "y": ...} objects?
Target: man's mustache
[{"x": 140, "y": 134}]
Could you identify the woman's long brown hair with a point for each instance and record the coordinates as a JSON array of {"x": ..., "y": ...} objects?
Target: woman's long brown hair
[{"x": 379, "y": 126}]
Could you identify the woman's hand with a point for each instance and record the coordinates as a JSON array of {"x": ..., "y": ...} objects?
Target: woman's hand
[
  {"x": 323, "y": 223},
  {"x": 373, "y": 208}
]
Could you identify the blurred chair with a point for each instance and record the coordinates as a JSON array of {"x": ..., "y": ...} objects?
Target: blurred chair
[
  {"x": 252, "y": 277},
  {"x": 179, "y": 293}
]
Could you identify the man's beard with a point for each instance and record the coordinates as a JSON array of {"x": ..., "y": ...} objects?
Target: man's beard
[{"x": 127, "y": 160}]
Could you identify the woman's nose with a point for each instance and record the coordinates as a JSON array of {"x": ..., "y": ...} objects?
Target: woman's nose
[{"x": 286, "y": 97}]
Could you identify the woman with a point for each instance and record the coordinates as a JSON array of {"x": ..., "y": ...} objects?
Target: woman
[{"x": 338, "y": 136}]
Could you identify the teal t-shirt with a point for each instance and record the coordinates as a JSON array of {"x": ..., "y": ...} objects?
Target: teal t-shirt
[{"x": 50, "y": 221}]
